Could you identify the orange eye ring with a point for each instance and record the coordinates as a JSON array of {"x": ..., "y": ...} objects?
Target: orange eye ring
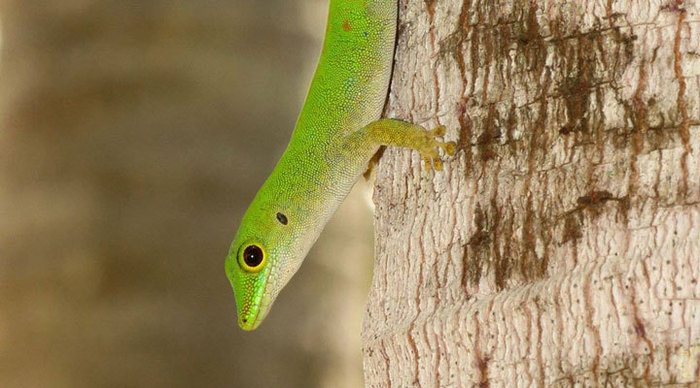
[{"x": 253, "y": 258}]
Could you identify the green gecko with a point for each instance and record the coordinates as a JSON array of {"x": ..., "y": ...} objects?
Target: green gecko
[{"x": 337, "y": 133}]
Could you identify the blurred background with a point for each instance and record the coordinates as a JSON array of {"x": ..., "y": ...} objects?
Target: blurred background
[{"x": 133, "y": 135}]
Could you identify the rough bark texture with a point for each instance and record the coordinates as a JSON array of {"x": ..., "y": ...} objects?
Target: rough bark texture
[{"x": 562, "y": 245}]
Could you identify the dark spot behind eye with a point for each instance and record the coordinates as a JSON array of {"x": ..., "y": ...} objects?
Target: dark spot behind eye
[{"x": 282, "y": 218}]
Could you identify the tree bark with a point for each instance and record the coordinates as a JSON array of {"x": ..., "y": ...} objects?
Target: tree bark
[{"x": 561, "y": 246}]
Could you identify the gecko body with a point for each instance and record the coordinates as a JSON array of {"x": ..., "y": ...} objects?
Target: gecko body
[{"x": 337, "y": 133}]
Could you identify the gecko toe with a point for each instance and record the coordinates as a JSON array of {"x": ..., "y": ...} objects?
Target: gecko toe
[
  {"x": 427, "y": 163},
  {"x": 450, "y": 148},
  {"x": 440, "y": 130}
]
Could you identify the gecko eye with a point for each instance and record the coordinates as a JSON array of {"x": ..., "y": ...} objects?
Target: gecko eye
[{"x": 253, "y": 258}]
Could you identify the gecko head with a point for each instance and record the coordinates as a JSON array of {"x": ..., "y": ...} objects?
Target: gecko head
[{"x": 262, "y": 259}]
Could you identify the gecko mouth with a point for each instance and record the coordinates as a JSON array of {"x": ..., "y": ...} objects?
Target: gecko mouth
[{"x": 251, "y": 321}]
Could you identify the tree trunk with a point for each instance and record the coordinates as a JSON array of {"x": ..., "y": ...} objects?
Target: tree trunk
[{"x": 561, "y": 246}]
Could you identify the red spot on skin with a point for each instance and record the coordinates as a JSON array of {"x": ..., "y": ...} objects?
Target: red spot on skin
[{"x": 346, "y": 25}]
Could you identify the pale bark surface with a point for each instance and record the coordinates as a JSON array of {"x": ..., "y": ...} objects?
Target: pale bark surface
[{"x": 562, "y": 245}]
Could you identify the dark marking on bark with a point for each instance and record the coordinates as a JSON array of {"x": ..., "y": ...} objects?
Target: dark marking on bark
[
  {"x": 530, "y": 267},
  {"x": 465, "y": 133},
  {"x": 640, "y": 123},
  {"x": 609, "y": 14},
  {"x": 490, "y": 136},
  {"x": 622, "y": 50},
  {"x": 500, "y": 264},
  {"x": 545, "y": 236},
  {"x": 575, "y": 88},
  {"x": 593, "y": 202},
  {"x": 482, "y": 362},
  {"x": 639, "y": 328},
  {"x": 430, "y": 7},
  {"x": 479, "y": 243},
  {"x": 511, "y": 125},
  {"x": 483, "y": 365},
  {"x": 627, "y": 42},
  {"x": 455, "y": 45},
  {"x": 674, "y": 6},
  {"x": 595, "y": 198},
  {"x": 487, "y": 44},
  {"x": 479, "y": 239},
  {"x": 530, "y": 264},
  {"x": 482, "y": 249},
  {"x": 467, "y": 262},
  {"x": 530, "y": 40},
  {"x": 474, "y": 44},
  {"x": 589, "y": 308},
  {"x": 684, "y": 126},
  {"x": 505, "y": 263},
  {"x": 573, "y": 224}
]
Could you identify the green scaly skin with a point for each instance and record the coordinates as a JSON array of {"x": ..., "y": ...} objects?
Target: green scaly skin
[{"x": 335, "y": 137}]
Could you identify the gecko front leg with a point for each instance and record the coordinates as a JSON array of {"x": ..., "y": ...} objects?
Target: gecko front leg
[{"x": 398, "y": 133}]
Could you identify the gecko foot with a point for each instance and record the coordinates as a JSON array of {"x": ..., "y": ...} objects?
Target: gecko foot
[{"x": 430, "y": 146}]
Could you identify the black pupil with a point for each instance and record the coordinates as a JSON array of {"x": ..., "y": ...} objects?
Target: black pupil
[{"x": 253, "y": 256}]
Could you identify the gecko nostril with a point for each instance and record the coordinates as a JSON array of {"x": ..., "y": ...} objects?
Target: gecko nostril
[{"x": 244, "y": 320}]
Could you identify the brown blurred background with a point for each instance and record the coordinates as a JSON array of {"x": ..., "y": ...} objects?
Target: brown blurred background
[{"x": 134, "y": 133}]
